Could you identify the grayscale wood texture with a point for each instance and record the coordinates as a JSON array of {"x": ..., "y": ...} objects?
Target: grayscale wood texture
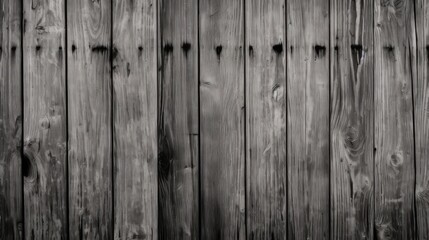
[
  {"x": 178, "y": 131},
  {"x": 308, "y": 118},
  {"x": 214, "y": 119},
  {"x": 11, "y": 197},
  {"x": 266, "y": 119},
  {"x": 134, "y": 119},
  {"x": 89, "y": 53},
  {"x": 45, "y": 116},
  {"x": 352, "y": 89},
  {"x": 394, "y": 73},
  {"x": 222, "y": 119}
]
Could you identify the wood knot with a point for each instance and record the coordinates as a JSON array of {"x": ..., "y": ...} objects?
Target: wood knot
[
  {"x": 45, "y": 123},
  {"x": 277, "y": 92},
  {"x": 422, "y": 195},
  {"x": 396, "y": 160},
  {"x": 29, "y": 169}
]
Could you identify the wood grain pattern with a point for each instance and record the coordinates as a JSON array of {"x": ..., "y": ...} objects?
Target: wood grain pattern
[
  {"x": 395, "y": 70},
  {"x": 45, "y": 116},
  {"x": 308, "y": 118},
  {"x": 11, "y": 222},
  {"x": 222, "y": 116},
  {"x": 178, "y": 120},
  {"x": 421, "y": 114},
  {"x": 352, "y": 129},
  {"x": 266, "y": 120},
  {"x": 89, "y": 119},
  {"x": 134, "y": 117}
]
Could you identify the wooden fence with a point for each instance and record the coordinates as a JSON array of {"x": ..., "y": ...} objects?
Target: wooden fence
[{"x": 214, "y": 119}]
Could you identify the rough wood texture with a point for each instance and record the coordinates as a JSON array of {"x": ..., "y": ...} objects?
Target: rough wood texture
[
  {"x": 89, "y": 113},
  {"x": 134, "y": 116},
  {"x": 45, "y": 116},
  {"x": 222, "y": 116},
  {"x": 352, "y": 129},
  {"x": 395, "y": 60},
  {"x": 421, "y": 114},
  {"x": 266, "y": 120},
  {"x": 10, "y": 120},
  {"x": 308, "y": 118},
  {"x": 178, "y": 120}
]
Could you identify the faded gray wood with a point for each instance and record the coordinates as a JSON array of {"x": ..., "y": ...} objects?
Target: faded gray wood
[
  {"x": 45, "y": 116},
  {"x": 395, "y": 70},
  {"x": 178, "y": 120},
  {"x": 308, "y": 118},
  {"x": 421, "y": 101},
  {"x": 222, "y": 116},
  {"x": 134, "y": 117},
  {"x": 89, "y": 119},
  {"x": 266, "y": 120},
  {"x": 352, "y": 129},
  {"x": 10, "y": 120}
]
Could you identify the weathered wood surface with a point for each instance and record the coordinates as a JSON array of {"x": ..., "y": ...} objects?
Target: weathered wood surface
[
  {"x": 45, "y": 116},
  {"x": 308, "y": 118},
  {"x": 11, "y": 222},
  {"x": 266, "y": 119},
  {"x": 352, "y": 163},
  {"x": 214, "y": 119},
  {"x": 90, "y": 119},
  {"x": 134, "y": 119},
  {"x": 178, "y": 120},
  {"x": 421, "y": 114},
  {"x": 222, "y": 119},
  {"x": 395, "y": 71}
]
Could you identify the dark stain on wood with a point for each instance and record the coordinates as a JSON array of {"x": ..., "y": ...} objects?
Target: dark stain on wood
[
  {"x": 168, "y": 48},
  {"x": 99, "y": 49},
  {"x": 186, "y": 47},
  {"x": 250, "y": 51},
  {"x": 278, "y": 48},
  {"x": 73, "y": 48},
  {"x": 218, "y": 50},
  {"x": 319, "y": 51}
]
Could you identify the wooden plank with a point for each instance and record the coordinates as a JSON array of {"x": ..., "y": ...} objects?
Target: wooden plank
[
  {"x": 222, "y": 116},
  {"x": 10, "y": 120},
  {"x": 266, "y": 120},
  {"x": 308, "y": 118},
  {"x": 421, "y": 108},
  {"x": 352, "y": 161},
  {"x": 45, "y": 117},
  {"x": 134, "y": 118},
  {"x": 178, "y": 120},
  {"x": 395, "y": 60},
  {"x": 89, "y": 119}
]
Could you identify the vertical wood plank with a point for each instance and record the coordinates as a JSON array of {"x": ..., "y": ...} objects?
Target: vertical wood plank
[
  {"x": 89, "y": 119},
  {"x": 45, "y": 142},
  {"x": 266, "y": 120},
  {"x": 10, "y": 120},
  {"x": 421, "y": 107},
  {"x": 308, "y": 118},
  {"x": 395, "y": 61},
  {"x": 178, "y": 120},
  {"x": 222, "y": 119},
  {"x": 134, "y": 116},
  {"x": 352, "y": 119}
]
